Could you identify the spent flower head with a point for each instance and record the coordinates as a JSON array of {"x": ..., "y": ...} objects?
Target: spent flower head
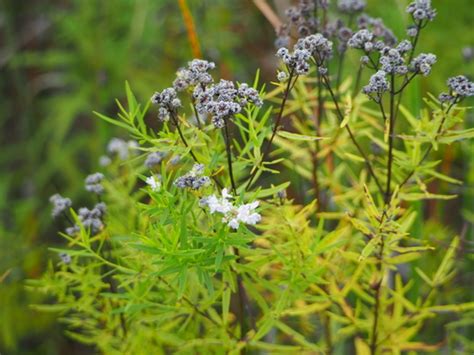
[
  {"x": 351, "y": 6},
  {"x": 421, "y": 10},
  {"x": 319, "y": 47},
  {"x": 296, "y": 61},
  {"x": 392, "y": 61},
  {"x": 378, "y": 84},
  {"x": 93, "y": 183},
  {"x": 194, "y": 179},
  {"x": 423, "y": 63},
  {"x": 223, "y": 100},
  {"x": 153, "y": 159},
  {"x": 121, "y": 148},
  {"x": 60, "y": 204},
  {"x": 168, "y": 103},
  {"x": 196, "y": 73},
  {"x": 459, "y": 87}
]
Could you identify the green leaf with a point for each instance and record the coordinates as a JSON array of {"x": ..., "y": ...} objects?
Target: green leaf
[
  {"x": 298, "y": 137},
  {"x": 369, "y": 248},
  {"x": 226, "y": 304}
]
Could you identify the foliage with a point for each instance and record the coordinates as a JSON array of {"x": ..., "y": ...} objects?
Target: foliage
[{"x": 338, "y": 261}]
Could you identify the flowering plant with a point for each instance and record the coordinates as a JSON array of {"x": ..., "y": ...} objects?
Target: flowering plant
[{"x": 201, "y": 248}]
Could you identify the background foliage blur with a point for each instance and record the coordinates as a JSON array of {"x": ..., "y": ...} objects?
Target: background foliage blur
[{"x": 62, "y": 59}]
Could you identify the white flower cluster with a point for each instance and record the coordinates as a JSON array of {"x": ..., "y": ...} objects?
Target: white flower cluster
[
  {"x": 154, "y": 182},
  {"x": 233, "y": 215}
]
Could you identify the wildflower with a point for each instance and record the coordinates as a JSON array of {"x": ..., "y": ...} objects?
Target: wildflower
[
  {"x": 73, "y": 230},
  {"x": 93, "y": 183},
  {"x": 423, "y": 63},
  {"x": 378, "y": 84},
  {"x": 362, "y": 39},
  {"x": 461, "y": 86},
  {"x": 445, "y": 97},
  {"x": 194, "y": 179},
  {"x": 377, "y": 28},
  {"x": 220, "y": 205},
  {"x": 167, "y": 102},
  {"x": 60, "y": 204},
  {"x": 421, "y": 10},
  {"x": 65, "y": 258},
  {"x": 196, "y": 73},
  {"x": 223, "y": 100},
  {"x": 404, "y": 47},
  {"x": 297, "y": 61},
  {"x": 154, "y": 182},
  {"x": 302, "y": 18},
  {"x": 121, "y": 148},
  {"x": 92, "y": 219},
  {"x": 392, "y": 61},
  {"x": 412, "y": 31},
  {"x": 282, "y": 76},
  {"x": 317, "y": 45},
  {"x": 154, "y": 159},
  {"x": 104, "y": 161},
  {"x": 351, "y": 6},
  {"x": 233, "y": 215},
  {"x": 468, "y": 54}
]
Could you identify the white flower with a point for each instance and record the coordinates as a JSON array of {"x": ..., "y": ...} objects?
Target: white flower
[
  {"x": 221, "y": 205},
  {"x": 233, "y": 215},
  {"x": 153, "y": 182},
  {"x": 246, "y": 213}
]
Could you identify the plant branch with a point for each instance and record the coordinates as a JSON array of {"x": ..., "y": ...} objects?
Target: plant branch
[
  {"x": 430, "y": 148},
  {"x": 228, "y": 149},
  {"x": 391, "y": 131},
  {"x": 268, "y": 145},
  {"x": 351, "y": 135}
]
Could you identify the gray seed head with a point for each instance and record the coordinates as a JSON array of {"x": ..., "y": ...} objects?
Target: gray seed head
[
  {"x": 60, "y": 205},
  {"x": 351, "y": 6},
  {"x": 154, "y": 159},
  {"x": 461, "y": 86},
  {"x": 423, "y": 63},
  {"x": 421, "y": 10}
]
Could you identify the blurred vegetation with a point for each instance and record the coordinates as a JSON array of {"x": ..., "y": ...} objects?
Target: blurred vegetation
[{"x": 60, "y": 60}]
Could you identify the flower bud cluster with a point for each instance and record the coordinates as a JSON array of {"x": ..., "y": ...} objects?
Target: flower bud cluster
[
  {"x": 60, "y": 205},
  {"x": 121, "y": 148},
  {"x": 351, "y": 6},
  {"x": 167, "y": 101},
  {"x": 93, "y": 183},
  {"x": 459, "y": 88},
  {"x": 378, "y": 84},
  {"x": 378, "y": 28},
  {"x": 223, "y": 100},
  {"x": 422, "y": 63},
  {"x": 421, "y": 10},
  {"x": 194, "y": 179},
  {"x": 196, "y": 73},
  {"x": 154, "y": 159}
]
